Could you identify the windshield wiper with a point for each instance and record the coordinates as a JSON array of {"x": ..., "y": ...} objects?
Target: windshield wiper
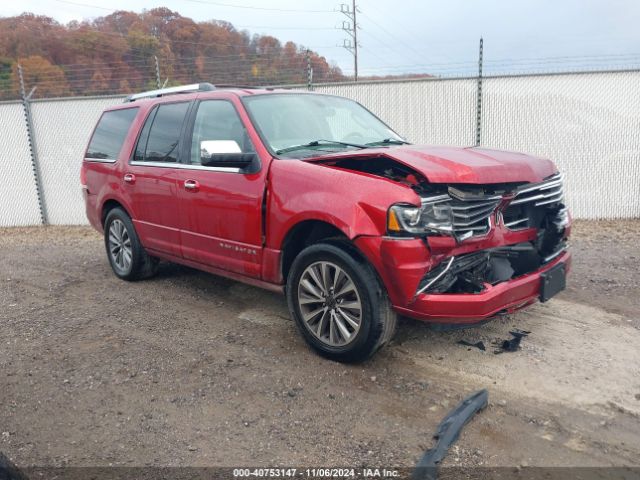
[
  {"x": 317, "y": 143},
  {"x": 388, "y": 141}
]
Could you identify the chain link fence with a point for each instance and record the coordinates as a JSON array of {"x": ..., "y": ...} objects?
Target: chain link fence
[
  {"x": 61, "y": 129},
  {"x": 588, "y": 123},
  {"x": 19, "y": 203}
]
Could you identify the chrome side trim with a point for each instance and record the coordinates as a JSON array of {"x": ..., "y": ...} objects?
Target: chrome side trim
[
  {"x": 183, "y": 166},
  {"x": 446, "y": 269},
  {"x": 100, "y": 160}
]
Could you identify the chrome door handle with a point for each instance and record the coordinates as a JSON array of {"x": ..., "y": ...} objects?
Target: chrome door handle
[
  {"x": 129, "y": 178},
  {"x": 191, "y": 185}
]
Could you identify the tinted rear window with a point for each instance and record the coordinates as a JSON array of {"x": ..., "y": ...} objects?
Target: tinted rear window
[{"x": 110, "y": 133}]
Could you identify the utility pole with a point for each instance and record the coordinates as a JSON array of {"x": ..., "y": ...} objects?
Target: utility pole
[
  {"x": 479, "y": 98},
  {"x": 351, "y": 27},
  {"x": 309, "y": 71}
]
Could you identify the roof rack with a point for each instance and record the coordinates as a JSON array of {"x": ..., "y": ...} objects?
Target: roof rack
[
  {"x": 243, "y": 87},
  {"x": 194, "y": 87}
]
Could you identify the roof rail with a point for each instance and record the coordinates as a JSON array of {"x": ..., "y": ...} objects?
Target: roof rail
[
  {"x": 243, "y": 87},
  {"x": 194, "y": 87}
]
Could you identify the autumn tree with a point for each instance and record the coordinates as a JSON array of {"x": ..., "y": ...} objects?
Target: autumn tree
[
  {"x": 39, "y": 72},
  {"x": 116, "y": 53}
]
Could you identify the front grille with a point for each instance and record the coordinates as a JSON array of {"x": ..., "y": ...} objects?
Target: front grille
[
  {"x": 530, "y": 202},
  {"x": 471, "y": 212},
  {"x": 544, "y": 193},
  {"x": 473, "y": 206}
]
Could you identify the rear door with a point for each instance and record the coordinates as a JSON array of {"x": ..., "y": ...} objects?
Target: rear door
[
  {"x": 220, "y": 207},
  {"x": 150, "y": 178}
]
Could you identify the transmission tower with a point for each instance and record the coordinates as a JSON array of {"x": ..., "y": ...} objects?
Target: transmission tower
[{"x": 351, "y": 27}]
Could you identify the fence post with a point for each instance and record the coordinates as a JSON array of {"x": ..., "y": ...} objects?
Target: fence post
[
  {"x": 35, "y": 164},
  {"x": 158, "y": 82},
  {"x": 309, "y": 71},
  {"x": 479, "y": 98}
]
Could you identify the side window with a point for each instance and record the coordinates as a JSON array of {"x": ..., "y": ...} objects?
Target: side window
[
  {"x": 218, "y": 125},
  {"x": 160, "y": 135},
  {"x": 110, "y": 134}
]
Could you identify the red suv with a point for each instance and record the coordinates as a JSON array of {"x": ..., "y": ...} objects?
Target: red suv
[{"x": 314, "y": 196}]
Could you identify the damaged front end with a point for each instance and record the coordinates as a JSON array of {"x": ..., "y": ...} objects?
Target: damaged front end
[
  {"x": 491, "y": 247},
  {"x": 537, "y": 209}
]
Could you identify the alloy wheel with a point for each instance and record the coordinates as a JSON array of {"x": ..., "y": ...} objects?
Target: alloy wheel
[
  {"x": 120, "y": 245},
  {"x": 329, "y": 303}
]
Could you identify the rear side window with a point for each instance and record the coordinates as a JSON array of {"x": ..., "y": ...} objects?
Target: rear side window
[
  {"x": 110, "y": 133},
  {"x": 161, "y": 134}
]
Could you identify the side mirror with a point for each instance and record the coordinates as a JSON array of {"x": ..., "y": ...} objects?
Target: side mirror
[{"x": 225, "y": 153}]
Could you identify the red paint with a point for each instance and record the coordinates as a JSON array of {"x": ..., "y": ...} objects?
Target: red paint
[
  {"x": 218, "y": 225},
  {"x": 463, "y": 165}
]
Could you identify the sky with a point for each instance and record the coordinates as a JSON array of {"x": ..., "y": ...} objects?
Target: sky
[{"x": 404, "y": 36}]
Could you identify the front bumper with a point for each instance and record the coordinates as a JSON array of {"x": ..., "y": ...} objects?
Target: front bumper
[
  {"x": 401, "y": 264},
  {"x": 505, "y": 297}
]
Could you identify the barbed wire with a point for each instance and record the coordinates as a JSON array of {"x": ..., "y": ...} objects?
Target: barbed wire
[{"x": 260, "y": 69}]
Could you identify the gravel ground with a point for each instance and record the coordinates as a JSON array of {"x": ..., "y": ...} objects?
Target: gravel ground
[{"x": 193, "y": 369}]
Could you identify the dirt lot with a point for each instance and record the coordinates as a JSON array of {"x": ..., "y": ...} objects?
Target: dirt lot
[{"x": 192, "y": 369}]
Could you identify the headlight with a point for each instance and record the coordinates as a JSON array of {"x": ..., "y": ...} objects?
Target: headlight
[{"x": 435, "y": 216}]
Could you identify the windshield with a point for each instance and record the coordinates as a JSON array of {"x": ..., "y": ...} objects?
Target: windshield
[{"x": 290, "y": 123}]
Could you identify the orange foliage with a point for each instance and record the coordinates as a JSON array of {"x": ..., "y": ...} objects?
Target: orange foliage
[{"x": 116, "y": 54}]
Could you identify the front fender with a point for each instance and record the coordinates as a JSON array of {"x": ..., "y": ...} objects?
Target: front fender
[{"x": 355, "y": 204}]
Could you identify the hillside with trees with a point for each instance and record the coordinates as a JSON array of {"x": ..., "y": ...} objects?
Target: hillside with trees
[{"x": 117, "y": 54}]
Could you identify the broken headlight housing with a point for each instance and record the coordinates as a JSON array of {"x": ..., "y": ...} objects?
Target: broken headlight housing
[{"x": 433, "y": 216}]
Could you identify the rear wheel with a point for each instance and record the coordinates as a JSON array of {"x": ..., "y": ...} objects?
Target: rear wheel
[
  {"x": 127, "y": 256},
  {"x": 338, "y": 303}
]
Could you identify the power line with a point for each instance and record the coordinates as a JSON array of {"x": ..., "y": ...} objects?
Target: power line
[
  {"x": 384, "y": 46},
  {"x": 268, "y": 9},
  {"x": 208, "y": 2},
  {"x": 391, "y": 35},
  {"x": 78, "y": 4}
]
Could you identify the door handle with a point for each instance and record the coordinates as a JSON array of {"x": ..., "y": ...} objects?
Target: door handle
[
  {"x": 191, "y": 185},
  {"x": 129, "y": 178}
]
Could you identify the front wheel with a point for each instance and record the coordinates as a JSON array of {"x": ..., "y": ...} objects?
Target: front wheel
[
  {"x": 128, "y": 258},
  {"x": 338, "y": 303}
]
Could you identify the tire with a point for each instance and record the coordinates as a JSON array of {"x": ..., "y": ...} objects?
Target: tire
[
  {"x": 347, "y": 322},
  {"x": 127, "y": 257}
]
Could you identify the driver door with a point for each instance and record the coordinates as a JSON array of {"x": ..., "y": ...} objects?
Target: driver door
[{"x": 220, "y": 206}]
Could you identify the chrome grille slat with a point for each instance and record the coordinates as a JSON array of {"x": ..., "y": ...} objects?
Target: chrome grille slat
[
  {"x": 475, "y": 205},
  {"x": 548, "y": 192},
  {"x": 541, "y": 196},
  {"x": 472, "y": 216},
  {"x": 516, "y": 222},
  {"x": 543, "y": 193},
  {"x": 483, "y": 212}
]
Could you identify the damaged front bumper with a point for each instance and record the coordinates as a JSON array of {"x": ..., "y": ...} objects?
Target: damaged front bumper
[
  {"x": 440, "y": 280},
  {"x": 506, "y": 297}
]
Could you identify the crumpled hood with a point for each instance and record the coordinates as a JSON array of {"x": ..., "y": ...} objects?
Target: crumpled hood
[{"x": 462, "y": 165}]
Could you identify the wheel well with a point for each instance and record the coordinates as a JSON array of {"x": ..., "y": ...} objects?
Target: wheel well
[
  {"x": 304, "y": 234},
  {"x": 108, "y": 206}
]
